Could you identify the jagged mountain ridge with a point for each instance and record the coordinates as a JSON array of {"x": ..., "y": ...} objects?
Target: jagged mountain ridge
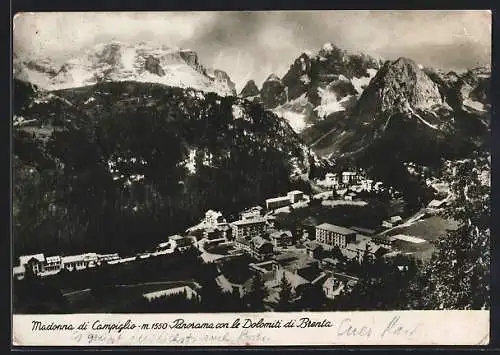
[
  {"x": 117, "y": 61},
  {"x": 407, "y": 115},
  {"x": 145, "y": 158},
  {"x": 316, "y": 86}
]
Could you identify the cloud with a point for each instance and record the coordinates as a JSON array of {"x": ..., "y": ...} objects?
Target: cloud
[{"x": 251, "y": 45}]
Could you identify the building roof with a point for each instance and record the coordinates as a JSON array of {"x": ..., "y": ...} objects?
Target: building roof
[
  {"x": 384, "y": 237},
  {"x": 312, "y": 245},
  {"x": 294, "y": 279},
  {"x": 175, "y": 237},
  {"x": 243, "y": 222},
  {"x": 73, "y": 258},
  {"x": 295, "y": 192},
  {"x": 224, "y": 283},
  {"x": 53, "y": 259},
  {"x": 276, "y": 199},
  {"x": 396, "y": 219},
  {"x": 335, "y": 229},
  {"x": 281, "y": 234},
  {"x": 243, "y": 240},
  {"x": 363, "y": 230},
  {"x": 285, "y": 257},
  {"x": 18, "y": 269},
  {"x": 309, "y": 273},
  {"x": 258, "y": 241},
  {"x": 24, "y": 259}
]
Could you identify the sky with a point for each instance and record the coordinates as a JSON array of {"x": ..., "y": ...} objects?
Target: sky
[{"x": 252, "y": 45}]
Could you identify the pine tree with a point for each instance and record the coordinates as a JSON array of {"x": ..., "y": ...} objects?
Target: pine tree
[
  {"x": 255, "y": 298},
  {"x": 285, "y": 295},
  {"x": 457, "y": 276}
]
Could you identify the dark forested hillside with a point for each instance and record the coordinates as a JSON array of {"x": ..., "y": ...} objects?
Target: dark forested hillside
[{"x": 119, "y": 166}]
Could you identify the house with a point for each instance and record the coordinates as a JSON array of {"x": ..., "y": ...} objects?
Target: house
[
  {"x": 395, "y": 220},
  {"x": 35, "y": 263},
  {"x": 257, "y": 247},
  {"x": 332, "y": 287},
  {"x": 295, "y": 196},
  {"x": 164, "y": 248},
  {"x": 104, "y": 258},
  {"x": 214, "y": 218},
  {"x": 53, "y": 264},
  {"x": 312, "y": 247},
  {"x": 332, "y": 179},
  {"x": 281, "y": 239},
  {"x": 384, "y": 240},
  {"x": 350, "y": 196},
  {"x": 330, "y": 263},
  {"x": 261, "y": 248},
  {"x": 235, "y": 276},
  {"x": 436, "y": 203},
  {"x": 309, "y": 225},
  {"x": 74, "y": 262},
  {"x": 248, "y": 227},
  {"x": 349, "y": 177},
  {"x": 271, "y": 221},
  {"x": 332, "y": 235},
  {"x": 361, "y": 247},
  {"x": 277, "y": 202},
  {"x": 19, "y": 272},
  {"x": 267, "y": 270},
  {"x": 184, "y": 243},
  {"x": 367, "y": 184},
  {"x": 386, "y": 224},
  {"x": 298, "y": 269},
  {"x": 187, "y": 290},
  {"x": 253, "y": 212},
  {"x": 337, "y": 283}
]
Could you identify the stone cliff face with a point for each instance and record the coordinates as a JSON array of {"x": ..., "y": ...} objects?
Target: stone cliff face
[
  {"x": 153, "y": 66},
  {"x": 273, "y": 92},
  {"x": 249, "y": 90},
  {"x": 117, "y": 61},
  {"x": 398, "y": 85}
]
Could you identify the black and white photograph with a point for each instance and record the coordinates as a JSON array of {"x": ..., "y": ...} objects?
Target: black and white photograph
[{"x": 251, "y": 162}]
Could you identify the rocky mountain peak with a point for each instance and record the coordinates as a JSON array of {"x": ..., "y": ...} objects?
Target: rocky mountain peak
[
  {"x": 273, "y": 77},
  {"x": 398, "y": 86},
  {"x": 250, "y": 89},
  {"x": 115, "y": 61},
  {"x": 273, "y": 92}
]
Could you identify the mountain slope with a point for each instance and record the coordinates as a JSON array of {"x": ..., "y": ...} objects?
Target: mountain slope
[
  {"x": 120, "y": 165},
  {"x": 124, "y": 62},
  {"x": 316, "y": 86},
  {"x": 405, "y": 115}
]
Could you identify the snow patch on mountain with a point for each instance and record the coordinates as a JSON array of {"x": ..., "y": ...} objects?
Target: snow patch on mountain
[
  {"x": 119, "y": 62},
  {"x": 361, "y": 83},
  {"x": 295, "y": 112}
]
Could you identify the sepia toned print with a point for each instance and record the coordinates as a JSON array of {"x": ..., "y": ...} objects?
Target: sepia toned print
[{"x": 238, "y": 162}]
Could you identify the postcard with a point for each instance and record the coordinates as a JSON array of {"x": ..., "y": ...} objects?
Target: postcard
[{"x": 251, "y": 178}]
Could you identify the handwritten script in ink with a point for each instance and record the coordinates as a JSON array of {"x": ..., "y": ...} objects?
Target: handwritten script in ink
[{"x": 237, "y": 331}]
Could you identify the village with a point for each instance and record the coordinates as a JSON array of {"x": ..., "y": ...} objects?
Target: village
[{"x": 315, "y": 252}]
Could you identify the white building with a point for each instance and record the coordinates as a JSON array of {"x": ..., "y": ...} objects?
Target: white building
[
  {"x": 79, "y": 262},
  {"x": 349, "y": 177},
  {"x": 254, "y": 212},
  {"x": 295, "y": 196},
  {"x": 277, "y": 202},
  {"x": 248, "y": 227},
  {"x": 35, "y": 263},
  {"x": 214, "y": 218}
]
